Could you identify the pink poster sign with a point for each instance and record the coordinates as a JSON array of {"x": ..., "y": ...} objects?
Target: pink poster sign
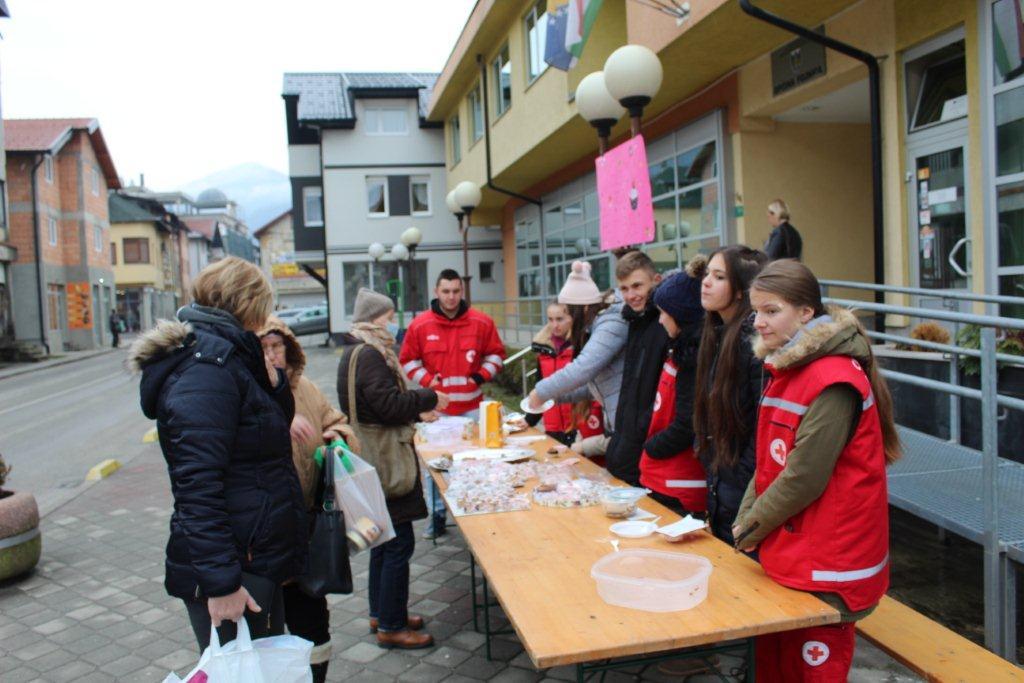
[{"x": 624, "y": 195}]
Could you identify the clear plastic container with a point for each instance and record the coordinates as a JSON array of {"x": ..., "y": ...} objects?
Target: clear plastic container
[
  {"x": 620, "y": 503},
  {"x": 652, "y": 580}
]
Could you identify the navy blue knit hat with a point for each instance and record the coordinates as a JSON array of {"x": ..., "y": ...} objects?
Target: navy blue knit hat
[{"x": 679, "y": 294}]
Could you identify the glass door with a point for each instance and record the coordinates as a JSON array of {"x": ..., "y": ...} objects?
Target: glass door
[{"x": 943, "y": 246}]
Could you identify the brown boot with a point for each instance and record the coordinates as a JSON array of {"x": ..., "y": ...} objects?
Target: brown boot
[
  {"x": 404, "y": 640},
  {"x": 415, "y": 623}
]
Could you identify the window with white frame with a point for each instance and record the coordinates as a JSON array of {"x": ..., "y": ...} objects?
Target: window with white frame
[
  {"x": 377, "y": 196},
  {"x": 97, "y": 238},
  {"x": 476, "y": 113},
  {"x": 48, "y": 168},
  {"x": 52, "y": 230},
  {"x": 501, "y": 74},
  {"x": 94, "y": 178},
  {"x": 385, "y": 121},
  {"x": 536, "y": 25},
  {"x": 313, "y": 206},
  {"x": 419, "y": 195},
  {"x": 456, "y": 135}
]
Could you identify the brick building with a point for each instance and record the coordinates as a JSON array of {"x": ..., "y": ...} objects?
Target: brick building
[{"x": 58, "y": 174}]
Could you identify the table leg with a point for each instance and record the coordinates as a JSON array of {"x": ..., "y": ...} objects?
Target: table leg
[
  {"x": 750, "y": 676},
  {"x": 487, "y": 620},
  {"x": 472, "y": 588}
]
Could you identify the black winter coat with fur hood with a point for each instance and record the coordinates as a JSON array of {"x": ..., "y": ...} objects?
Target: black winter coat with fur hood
[{"x": 224, "y": 432}]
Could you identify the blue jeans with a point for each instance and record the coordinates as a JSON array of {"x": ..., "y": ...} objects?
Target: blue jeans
[{"x": 389, "y": 579}]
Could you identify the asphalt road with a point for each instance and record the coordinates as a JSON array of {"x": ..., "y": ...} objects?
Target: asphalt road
[{"x": 56, "y": 423}]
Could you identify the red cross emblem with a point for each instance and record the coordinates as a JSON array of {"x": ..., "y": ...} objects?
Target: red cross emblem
[
  {"x": 815, "y": 652},
  {"x": 657, "y": 401},
  {"x": 592, "y": 422},
  {"x": 470, "y": 355},
  {"x": 778, "y": 451}
]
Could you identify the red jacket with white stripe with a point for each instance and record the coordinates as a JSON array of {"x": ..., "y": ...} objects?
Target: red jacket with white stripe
[
  {"x": 461, "y": 352},
  {"x": 840, "y": 542},
  {"x": 559, "y": 419},
  {"x": 681, "y": 475}
]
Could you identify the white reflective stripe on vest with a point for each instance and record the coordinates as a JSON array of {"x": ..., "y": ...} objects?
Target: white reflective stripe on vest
[
  {"x": 412, "y": 365},
  {"x": 454, "y": 381},
  {"x": 852, "y": 575},
  {"x": 783, "y": 404},
  {"x": 494, "y": 358},
  {"x": 466, "y": 397},
  {"x": 868, "y": 402},
  {"x": 490, "y": 367},
  {"x": 418, "y": 375},
  {"x": 686, "y": 483},
  {"x": 669, "y": 369}
]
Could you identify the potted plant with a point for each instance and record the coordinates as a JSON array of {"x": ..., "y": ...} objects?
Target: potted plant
[
  {"x": 20, "y": 541},
  {"x": 1010, "y": 383},
  {"x": 924, "y": 411}
]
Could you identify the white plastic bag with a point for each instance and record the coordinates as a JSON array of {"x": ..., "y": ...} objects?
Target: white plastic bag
[
  {"x": 361, "y": 497},
  {"x": 278, "y": 659}
]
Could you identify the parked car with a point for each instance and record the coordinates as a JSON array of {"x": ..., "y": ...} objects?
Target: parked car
[
  {"x": 312, "y": 320},
  {"x": 288, "y": 315}
]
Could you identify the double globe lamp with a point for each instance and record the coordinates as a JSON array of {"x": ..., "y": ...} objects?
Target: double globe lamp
[{"x": 631, "y": 78}]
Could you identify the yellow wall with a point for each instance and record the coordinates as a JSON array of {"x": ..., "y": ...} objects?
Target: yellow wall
[
  {"x": 142, "y": 273},
  {"x": 823, "y": 171}
]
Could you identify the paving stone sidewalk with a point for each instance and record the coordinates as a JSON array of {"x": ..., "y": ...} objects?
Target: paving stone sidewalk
[{"x": 96, "y": 609}]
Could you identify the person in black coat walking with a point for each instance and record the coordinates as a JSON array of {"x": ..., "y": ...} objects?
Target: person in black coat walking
[
  {"x": 729, "y": 381},
  {"x": 784, "y": 240},
  {"x": 223, "y": 413},
  {"x": 646, "y": 345},
  {"x": 382, "y": 398}
]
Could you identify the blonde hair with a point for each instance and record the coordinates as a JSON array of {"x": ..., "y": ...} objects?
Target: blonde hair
[
  {"x": 779, "y": 208},
  {"x": 237, "y": 287}
]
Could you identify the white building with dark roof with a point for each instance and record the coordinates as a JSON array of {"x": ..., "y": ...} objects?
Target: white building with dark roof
[{"x": 365, "y": 165}]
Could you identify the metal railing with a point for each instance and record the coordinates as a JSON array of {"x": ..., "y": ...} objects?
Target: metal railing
[
  {"x": 523, "y": 318},
  {"x": 999, "y": 615}
]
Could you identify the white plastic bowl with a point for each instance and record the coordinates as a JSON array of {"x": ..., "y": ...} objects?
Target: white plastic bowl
[{"x": 652, "y": 580}]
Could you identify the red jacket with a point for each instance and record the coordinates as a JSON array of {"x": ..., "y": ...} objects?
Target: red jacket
[
  {"x": 462, "y": 352},
  {"x": 840, "y": 543},
  {"x": 681, "y": 475},
  {"x": 560, "y": 418}
]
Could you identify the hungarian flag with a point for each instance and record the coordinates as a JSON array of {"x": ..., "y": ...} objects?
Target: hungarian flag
[{"x": 581, "y": 17}]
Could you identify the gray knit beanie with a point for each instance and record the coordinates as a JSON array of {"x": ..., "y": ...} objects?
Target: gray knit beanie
[{"x": 370, "y": 305}]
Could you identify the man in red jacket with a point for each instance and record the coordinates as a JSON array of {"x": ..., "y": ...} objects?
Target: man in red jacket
[{"x": 455, "y": 349}]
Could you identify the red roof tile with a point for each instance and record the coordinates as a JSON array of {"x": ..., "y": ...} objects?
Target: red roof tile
[
  {"x": 203, "y": 226},
  {"x": 49, "y": 135}
]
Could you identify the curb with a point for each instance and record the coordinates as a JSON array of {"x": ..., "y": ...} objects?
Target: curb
[
  {"x": 103, "y": 469},
  {"x": 35, "y": 367}
]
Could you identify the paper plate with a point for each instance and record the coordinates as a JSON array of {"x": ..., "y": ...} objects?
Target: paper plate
[
  {"x": 633, "y": 529},
  {"x": 524, "y": 405},
  {"x": 502, "y": 454}
]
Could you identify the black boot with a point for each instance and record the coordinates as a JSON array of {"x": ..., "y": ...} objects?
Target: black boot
[{"x": 319, "y": 672}]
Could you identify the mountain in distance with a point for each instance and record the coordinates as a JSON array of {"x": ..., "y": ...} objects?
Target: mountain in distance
[{"x": 261, "y": 193}]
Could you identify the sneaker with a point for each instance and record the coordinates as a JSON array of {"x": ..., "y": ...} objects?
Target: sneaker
[{"x": 434, "y": 530}]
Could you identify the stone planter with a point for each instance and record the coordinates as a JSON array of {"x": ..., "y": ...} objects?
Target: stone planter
[{"x": 20, "y": 541}]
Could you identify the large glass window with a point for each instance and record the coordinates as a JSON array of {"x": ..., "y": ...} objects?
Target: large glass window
[
  {"x": 354, "y": 275},
  {"x": 385, "y": 121},
  {"x": 476, "y": 113},
  {"x": 312, "y": 206},
  {"x": 1007, "y": 92},
  {"x": 419, "y": 195},
  {"x": 52, "y": 230},
  {"x": 456, "y": 137},
  {"x": 409, "y": 279},
  {"x": 501, "y": 74},
  {"x": 536, "y": 24},
  {"x": 377, "y": 196}
]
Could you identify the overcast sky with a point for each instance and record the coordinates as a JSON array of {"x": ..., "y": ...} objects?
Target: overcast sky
[{"x": 184, "y": 88}]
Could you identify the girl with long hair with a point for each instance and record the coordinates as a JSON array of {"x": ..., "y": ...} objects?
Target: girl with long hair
[
  {"x": 817, "y": 509},
  {"x": 729, "y": 378}
]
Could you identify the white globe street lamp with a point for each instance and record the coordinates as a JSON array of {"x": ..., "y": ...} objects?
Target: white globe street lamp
[
  {"x": 453, "y": 205},
  {"x": 376, "y": 251},
  {"x": 633, "y": 76},
  {"x": 597, "y": 106},
  {"x": 399, "y": 252},
  {"x": 412, "y": 237},
  {"x": 467, "y": 196}
]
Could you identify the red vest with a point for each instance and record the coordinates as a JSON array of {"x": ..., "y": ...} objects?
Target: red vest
[
  {"x": 680, "y": 476},
  {"x": 840, "y": 542},
  {"x": 559, "y": 418}
]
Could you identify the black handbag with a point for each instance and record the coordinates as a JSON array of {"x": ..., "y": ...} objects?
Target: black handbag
[{"x": 328, "y": 570}]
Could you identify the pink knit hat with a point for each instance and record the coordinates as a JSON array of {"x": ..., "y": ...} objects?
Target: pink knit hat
[{"x": 579, "y": 287}]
